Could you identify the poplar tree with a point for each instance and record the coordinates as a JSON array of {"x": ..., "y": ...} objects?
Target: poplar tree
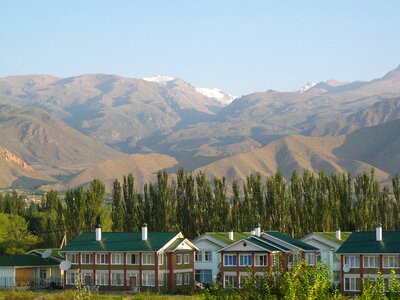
[
  {"x": 131, "y": 205},
  {"x": 94, "y": 204},
  {"x": 118, "y": 207},
  {"x": 75, "y": 211}
]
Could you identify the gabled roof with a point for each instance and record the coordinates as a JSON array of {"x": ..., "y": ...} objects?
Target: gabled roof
[
  {"x": 365, "y": 242},
  {"x": 289, "y": 240},
  {"x": 327, "y": 238},
  {"x": 257, "y": 241},
  {"x": 121, "y": 241},
  {"x": 55, "y": 253},
  {"x": 175, "y": 245},
  {"x": 25, "y": 260},
  {"x": 332, "y": 236},
  {"x": 271, "y": 247},
  {"x": 223, "y": 237}
]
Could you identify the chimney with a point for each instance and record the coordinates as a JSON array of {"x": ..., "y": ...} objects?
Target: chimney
[
  {"x": 230, "y": 235},
  {"x": 258, "y": 230},
  {"x": 98, "y": 232},
  {"x": 144, "y": 232},
  {"x": 378, "y": 232},
  {"x": 338, "y": 234}
]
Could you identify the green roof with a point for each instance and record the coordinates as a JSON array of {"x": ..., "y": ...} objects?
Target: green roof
[
  {"x": 25, "y": 260},
  {"x": 331, "y": 236},
  {"x": 224, "y": 236},
  {"x": 119, "y": 241},
  {"x": 55, "y": 252},
  {"x": 365, "y": 242},
  {"x": 263, "y": 243},
  {"x": 288, "y": 239}
]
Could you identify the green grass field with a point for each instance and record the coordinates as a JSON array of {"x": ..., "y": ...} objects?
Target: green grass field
[{"x": 72, "y": 295}]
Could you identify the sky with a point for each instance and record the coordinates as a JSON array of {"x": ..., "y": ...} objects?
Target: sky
[{"x": 237, "y": 46}]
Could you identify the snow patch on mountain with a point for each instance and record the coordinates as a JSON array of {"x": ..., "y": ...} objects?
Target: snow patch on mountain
[
  {"x": 215, "y": 93},
  {"x": 159, "y": 78},
  {"x": 306, "y": 87}
]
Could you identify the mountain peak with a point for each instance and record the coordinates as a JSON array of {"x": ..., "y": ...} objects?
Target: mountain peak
[
  {"x": 393, "y": 74},
  {"x": 306, "y": 87},
  {"x": 158, "y": 78},
  {"x": 218, "y": 94}
]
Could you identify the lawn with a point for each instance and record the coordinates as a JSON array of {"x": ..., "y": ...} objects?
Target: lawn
[{"x": 72, "y": 295}]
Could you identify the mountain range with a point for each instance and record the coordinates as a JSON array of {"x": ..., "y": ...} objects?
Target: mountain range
[{"x": 63, "y": 132}]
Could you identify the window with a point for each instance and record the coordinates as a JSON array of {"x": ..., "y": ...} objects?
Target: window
[
  {"x": 203, "y": 276},
  {"x": 71, "y": 278},
  {"x": 102, "y": 258},
  {"x": 132, "y": 259},
  {"x": 148, "y": 279},
  {"x": 43, "y": 274},
  {"x": 186, "y": 259},
  {"x": 179, "y": 279},
  {"x": 117, "y": 279},
  {"x": 179, "y": 259},
  {"x": 87, "y": 277},
  {"x": 229, "y": 280},
  {"x": 352, "y": 284},
  {"x": 160, "y": 259},
  {"x": 116, "y": 259},
  {"x": 86, "y": 258},
  {"x": 230, "y": 260},
  {"x": 198, "y": 256},
  {"x": 371, "y": 262},
  {"x": 148, "y": 259},
  {"x": 352, "y": 261},
  {"x": 187, "y": 279},
  {"x": 261, "y": 260},
  {"x": 72, "y": 257},
  {"x": 294, "y": 258},
  {"x": 245, "y": 260},
  {"x": 390, "y": 262},
  {"x": 102, "y": 278},
  {"x": 161, "y": 279},
  {"x": 208, "y": 256},
  {"x": 310, "y": 259}
]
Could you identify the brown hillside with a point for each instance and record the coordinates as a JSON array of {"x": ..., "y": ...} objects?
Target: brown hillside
[
  {"x": 16, "y": 173},
  {"x": 289, "y": 153},
  {"x": 41, "y": 139},
  {"x": 142, "y": 166}
]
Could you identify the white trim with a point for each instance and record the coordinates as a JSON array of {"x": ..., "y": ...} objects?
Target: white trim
[
  {"x": 244, "y": 240},
  {"x": 269, "y": 244},
  {"x": 162, "y": 249},
  {"x": 182, "y": 271},
  {"x": 350, "y": 276},
  {"x": 282, "y": 241}
]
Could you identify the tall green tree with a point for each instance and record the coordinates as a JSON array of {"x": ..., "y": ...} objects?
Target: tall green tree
[
  {"x": 75, "y": 201},
  {"x": 118, "y": 208},
  {"x": 94, "y": 205}
]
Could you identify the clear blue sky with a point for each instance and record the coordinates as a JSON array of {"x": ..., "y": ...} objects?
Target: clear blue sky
[{"x": 239, "y": 46}]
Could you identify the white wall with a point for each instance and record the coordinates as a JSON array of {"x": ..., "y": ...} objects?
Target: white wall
[
  {"x": 7, "y": 277},
  {"x": 203, "y": 246}
]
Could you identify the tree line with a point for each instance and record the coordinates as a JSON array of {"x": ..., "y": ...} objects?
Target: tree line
[{"x": 194, "y": 204}]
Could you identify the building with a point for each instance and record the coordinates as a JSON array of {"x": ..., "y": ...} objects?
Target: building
[
  {"x": 328, "y": 243},
  {"x": 28, "y": 270},
  {"x": 364, "y": 254},
  {"x": 130, "y": 260},
  {"x": 259, "y": 253},
  {"x": 296, "y": 249},
  {"x": 207, "y": 260}
]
